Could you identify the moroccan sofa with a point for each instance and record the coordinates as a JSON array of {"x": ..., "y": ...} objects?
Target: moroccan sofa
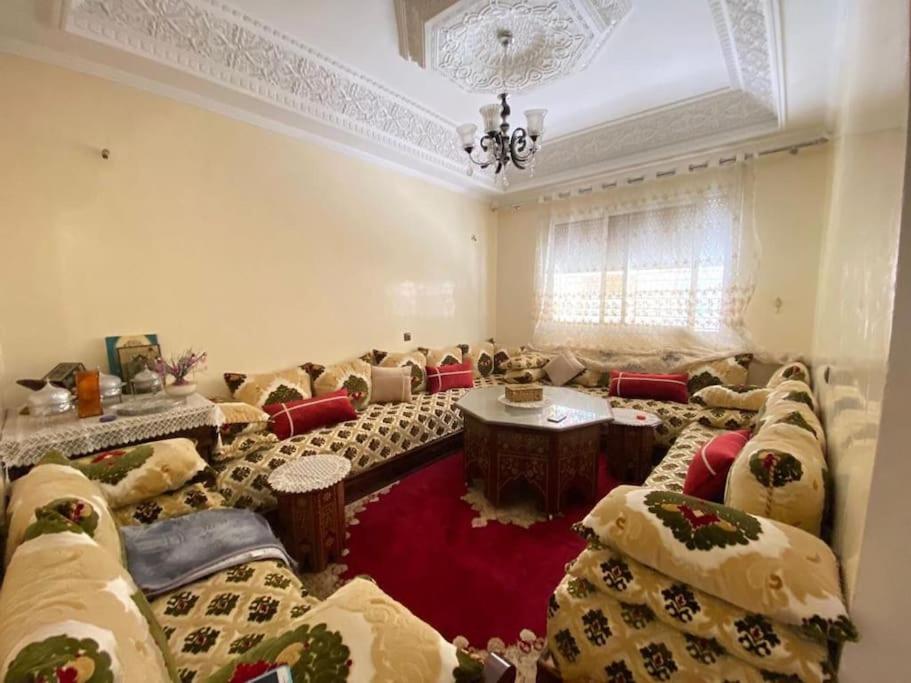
[
  {"x": 675, "y": 588},
  {"x": 70, "y": 611},
  {"x": 385, "y": 433}
]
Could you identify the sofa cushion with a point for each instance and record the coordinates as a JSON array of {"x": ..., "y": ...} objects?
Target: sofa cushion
[
  {"x": 670, "y": 473},
  {"x": 445, "y": 377},
  {"x": 754, "y": 563},
  {"x": 708, "y": 469},
  {"x": 781, "y": 474},
  {"x": 481, "y": 357},
  {"x": 447, "y": 355},
  {"x": 240, "y": 419},
  {"x": 657, "y": 387},
  {"x": 352, "y": 376},
  {"x": 795, "y": 370},
  {"x": 729, "y": 370},
  {"x": 726, "y": 418},
  {"x": 47, "y": 484},
  {"x": 390, "y": 385},
  {"x": 563, "y": 368},
  {"x": 271, "y": 387},
  {"x": 529, "y": 376},
  {"x": 752, "y": 638},
  {"x": 380, "y": 433},
  {"x": 69, "y": 611},
  {"x": 360, "y": 629},
  {"x": 792, "y": 390},
  {"x": 300, "y": 417},
  {"x": 211, "y": 622},
  {"x": 132, "y": 475},
  {"x": 527, "y": 360},
  {"x": 183, "y": 501},
  {"x": 501, "y": 356},
  {"x": 796, "y": 414},
  {"x": 733, "y": 396},
  {"x": 415, "y": 360}
]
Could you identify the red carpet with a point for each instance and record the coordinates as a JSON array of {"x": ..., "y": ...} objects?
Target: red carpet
[{"x": 487, "y": 582}]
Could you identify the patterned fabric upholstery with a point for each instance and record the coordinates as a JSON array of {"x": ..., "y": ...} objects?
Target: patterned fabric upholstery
[
  {"x": 670, "y": 473},
  {"x": 190, "y": 498},
  {"x": 210, "y": 622},
  {"x": 381, "y": 432}
]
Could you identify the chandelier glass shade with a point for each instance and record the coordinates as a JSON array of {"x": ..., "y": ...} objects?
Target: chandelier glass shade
[{"x": 498, "y": 147}]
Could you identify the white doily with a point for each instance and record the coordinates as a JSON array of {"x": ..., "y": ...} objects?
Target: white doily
[
  {"x": 25, "y": 440},
  {"x": 310, "y": 473},
  {"x": 635, "y": 418}
]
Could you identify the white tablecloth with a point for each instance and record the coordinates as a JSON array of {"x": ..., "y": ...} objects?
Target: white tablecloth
[{"x": 26, "y": 439}]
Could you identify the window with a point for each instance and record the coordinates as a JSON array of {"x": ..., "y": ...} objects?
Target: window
[{"x": 647, "y": 271}]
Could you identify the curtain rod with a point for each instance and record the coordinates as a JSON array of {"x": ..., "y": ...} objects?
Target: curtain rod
[{"x": 656, "y": 171}]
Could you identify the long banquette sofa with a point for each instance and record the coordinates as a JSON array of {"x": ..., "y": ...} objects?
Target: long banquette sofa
[{"x": 673, "y": 587}]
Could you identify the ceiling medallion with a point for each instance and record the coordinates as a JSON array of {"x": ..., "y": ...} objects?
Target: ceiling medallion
[
  {"x": 551, "y": 39},
  {"x": 498, "y": 148}
]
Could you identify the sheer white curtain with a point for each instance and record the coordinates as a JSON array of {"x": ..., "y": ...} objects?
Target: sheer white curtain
[{"x": 668, "y": 266}]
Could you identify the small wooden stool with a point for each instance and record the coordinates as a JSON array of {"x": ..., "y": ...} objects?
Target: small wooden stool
[
  {"x": 311, "y": 508},
  {"x": 630, "y": 444}
]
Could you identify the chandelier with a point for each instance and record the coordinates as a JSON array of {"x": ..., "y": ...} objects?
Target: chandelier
[{"x": 497, "y": 147}]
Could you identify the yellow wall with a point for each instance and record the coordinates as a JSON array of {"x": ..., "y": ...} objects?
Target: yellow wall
[
  {"x": 790, "y": 201},
  {"x": 262, "y": 249}
]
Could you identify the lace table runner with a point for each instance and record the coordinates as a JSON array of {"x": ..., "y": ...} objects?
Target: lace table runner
[{"x": 26, "y": 439}]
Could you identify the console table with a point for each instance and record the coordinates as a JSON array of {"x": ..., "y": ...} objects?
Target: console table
[{"x": 25, "y": 439}]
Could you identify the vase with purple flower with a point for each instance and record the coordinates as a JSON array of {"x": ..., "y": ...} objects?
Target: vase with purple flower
[{"x": 180, "y": 369}]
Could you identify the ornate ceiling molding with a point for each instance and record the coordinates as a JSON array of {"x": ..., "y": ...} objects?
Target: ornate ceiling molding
[
  {"x": 745, "y": 28},
  {"x": 217, "y": 42}
]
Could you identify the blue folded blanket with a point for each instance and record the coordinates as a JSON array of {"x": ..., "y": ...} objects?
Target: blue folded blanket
[{"x": 174, "y": 552}]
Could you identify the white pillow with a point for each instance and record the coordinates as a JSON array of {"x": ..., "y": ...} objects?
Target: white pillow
[{"x": 563, "y": 368}]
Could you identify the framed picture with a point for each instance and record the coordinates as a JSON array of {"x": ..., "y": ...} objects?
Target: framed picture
[
  {"x": 112, "y": 344},
  {"x": 135, "y": 359}
]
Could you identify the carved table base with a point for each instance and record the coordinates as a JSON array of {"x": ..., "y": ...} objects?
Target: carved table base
[
  {"x": 312, "y": 525},
  {"x": 551, "y": 462}
]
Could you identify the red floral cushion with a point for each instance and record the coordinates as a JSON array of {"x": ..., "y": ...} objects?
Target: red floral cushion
[
  {"x": 297, "y": 417},
  {"x": 643, "y": 385},
  {"x": 708, "y": 470},
  {"x": 456, "y": 376}
]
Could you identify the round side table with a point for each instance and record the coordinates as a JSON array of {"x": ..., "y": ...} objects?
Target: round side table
[
  {"x": 311, "y": 508},
  {"x": 630, "y": 444}
]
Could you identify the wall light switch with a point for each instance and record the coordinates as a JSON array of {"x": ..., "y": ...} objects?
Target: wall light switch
[{"x": 407, "y": 336}]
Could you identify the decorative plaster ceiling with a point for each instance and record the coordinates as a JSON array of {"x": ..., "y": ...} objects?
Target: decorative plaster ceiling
[
  {"x": 551, "y": 39},
  {"x": 228, "y": 47}
]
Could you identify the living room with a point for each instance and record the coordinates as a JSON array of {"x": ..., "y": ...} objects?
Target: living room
[{"x": 256, "y": 219}]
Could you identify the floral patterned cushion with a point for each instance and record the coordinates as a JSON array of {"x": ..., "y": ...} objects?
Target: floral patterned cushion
[
  {"x": 501, "y": 356},
  {"x": 730, "y": 370},
  {"x": 416, "y": 360},
  {"x": 481, "y": 357},
  {"x": 132, "y": 475},
  {"x": 272, "y": 387},
  {"x": 529, "y": 360},
  {"x": 780, "y": 474},
  {"x": 528, "y": 376},
  {"x": 242, "y": 444},
  {"x": 754, "y": 563},
  {"x": 792, "y": 390},
  {"x": 69, "y": 611},
  {"x": 794, "y": 370},
  {"x": 354, "y": 376},
  {"x": 595, "y": 637},
  {"x": 726, "y": 418},
  {"x": 449, "y": 355},
  {"x": 190, "y": 498},
  {"x": 240, "y": 419},
  {"x": 736, "y": 397},
  {"x": 753, "y": 638},
  {"x": 670, "y": 473},
  {"x": 70, "y": 497},
  {"x": 210, "y": 622},
  {"x": 793, "y": 413}
]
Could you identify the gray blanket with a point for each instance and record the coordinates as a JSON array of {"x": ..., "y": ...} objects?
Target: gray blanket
[{"x": 174, "y": 552}]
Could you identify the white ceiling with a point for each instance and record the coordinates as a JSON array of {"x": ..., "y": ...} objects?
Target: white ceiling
[{"x": 671, "y": 74}]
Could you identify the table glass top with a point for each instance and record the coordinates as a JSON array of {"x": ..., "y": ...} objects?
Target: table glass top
[{"x": 579, "y": 409}]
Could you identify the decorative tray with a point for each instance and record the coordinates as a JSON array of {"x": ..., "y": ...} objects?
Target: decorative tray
[
  {"x": 529, "y": 405},
  {"x": 146, "y": 406}
]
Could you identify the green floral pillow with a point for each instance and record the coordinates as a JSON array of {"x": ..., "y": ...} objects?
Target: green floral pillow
[
  {"x": 731, "y": 396},
  {"x": 416, "y": 360},
  {"x": 794, "y": 370},
  {"x": 754, "y": 563},
  {"x": 354, "y": 376}
]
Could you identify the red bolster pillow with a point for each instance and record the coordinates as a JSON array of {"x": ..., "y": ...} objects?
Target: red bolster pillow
[
  {"x": 456, "y": 376},
  {"x": 298, "y": 417},
  {"x": 643, "y": 385},
  {"x": 708, "y": 470}
]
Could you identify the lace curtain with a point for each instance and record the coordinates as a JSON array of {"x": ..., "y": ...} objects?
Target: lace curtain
[{"x": 668, "y": 266}]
